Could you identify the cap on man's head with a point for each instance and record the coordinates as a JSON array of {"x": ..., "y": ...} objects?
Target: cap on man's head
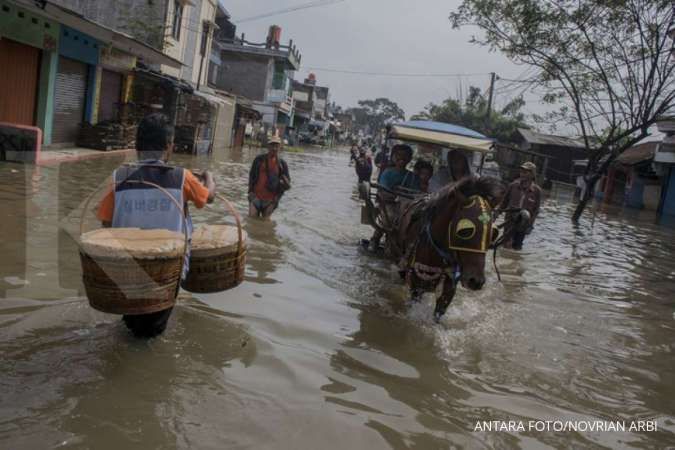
[
  {"x": 530, "y": 167},
  {"x": 274, "y": 140}
]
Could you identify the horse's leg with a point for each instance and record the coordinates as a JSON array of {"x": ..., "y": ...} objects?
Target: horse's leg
[
  {"x": 445, "y": 298},
  {"x": 413, "y": 287}
]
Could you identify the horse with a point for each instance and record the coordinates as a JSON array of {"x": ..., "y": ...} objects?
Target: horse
[{"x": 443, "y": 238}]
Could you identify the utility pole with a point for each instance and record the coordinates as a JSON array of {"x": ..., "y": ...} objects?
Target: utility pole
[{"x": 493, "y": 77}]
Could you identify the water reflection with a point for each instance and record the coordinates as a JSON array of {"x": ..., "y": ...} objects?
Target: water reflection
[
  {"x": 129, "y": 392},
  {"x": 265, "y": 252},
  {"x": 14, "y": 194},
  {"x": 333, "y": 356}
]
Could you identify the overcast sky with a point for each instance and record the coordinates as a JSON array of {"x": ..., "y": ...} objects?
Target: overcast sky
[{"x": 392, "y": 36}]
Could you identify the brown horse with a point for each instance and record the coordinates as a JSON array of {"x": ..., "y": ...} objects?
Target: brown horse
[{"x": 445, "y": 237}]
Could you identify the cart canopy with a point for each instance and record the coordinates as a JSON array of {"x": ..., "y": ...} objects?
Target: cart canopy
[{"x": 443, "y": 134}]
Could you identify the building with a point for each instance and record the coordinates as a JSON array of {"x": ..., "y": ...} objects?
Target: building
[
  {"x": 664, "y": 164},
  {"x": 553, "y": 155},
  {"x": 631, "y": 179},
  {"x": 345, "y": 122},
  {"x": 101, "y": 78},
  {"x": 181, "y": 29},
  {"x": 61, "y": 69},
  {"x": 664, "y": 160},
  {"x": 260, "y": 73},
  {"x": 312, "y": 101}
]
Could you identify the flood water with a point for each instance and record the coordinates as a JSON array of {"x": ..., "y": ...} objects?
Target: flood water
[{"x": 318, "y": 347}]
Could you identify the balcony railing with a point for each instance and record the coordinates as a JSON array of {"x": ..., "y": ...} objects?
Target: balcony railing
[
  {"x": 290, "y": 50},
  {"x": 279, "y": 96}
]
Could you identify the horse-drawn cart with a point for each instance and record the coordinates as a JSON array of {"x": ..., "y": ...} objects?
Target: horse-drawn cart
[{"x": 440, "y": 237}]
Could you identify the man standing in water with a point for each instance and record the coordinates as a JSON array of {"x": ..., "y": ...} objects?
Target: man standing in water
[
  {"x": 364, "y": 166},
  {"x": 524, "y": 195},
  {"x": 267, "y": 181},
  {"x": 130, "y": 205}
]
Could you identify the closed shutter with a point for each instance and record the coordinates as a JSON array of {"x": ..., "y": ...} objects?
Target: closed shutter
[
  {"x": 70, "y": 92},
  {"x": 19, "y": 69},
  {"x": 111, "y": 90}
]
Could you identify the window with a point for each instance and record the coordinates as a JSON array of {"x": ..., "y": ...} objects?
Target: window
[
  {"x": 177, "y": 19},
  {"x": 279, "y": 78},
  {"x": 205, "y": 39}
]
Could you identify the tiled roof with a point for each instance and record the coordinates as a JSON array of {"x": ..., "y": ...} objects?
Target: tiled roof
[
  {"x": 638, "y": 153},
  {"x": 534, "y": 137}
]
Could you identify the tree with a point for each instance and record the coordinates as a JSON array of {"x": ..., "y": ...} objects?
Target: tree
[
  {"x": 472, "y": 113},
  {"x": 376, "y": 114},
  {"x": 605, "y": 65}
]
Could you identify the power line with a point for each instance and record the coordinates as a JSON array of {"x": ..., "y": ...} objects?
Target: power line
[
  {"x": 392, "y": 74},
  {"x": 314, "y": 4}
]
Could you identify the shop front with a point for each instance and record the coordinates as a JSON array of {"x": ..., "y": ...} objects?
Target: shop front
[
  {"x": 28, "y": 44},
  {"x": 75, "y": 86}
]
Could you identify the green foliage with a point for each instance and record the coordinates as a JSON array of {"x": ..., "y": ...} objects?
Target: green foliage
[
  {"x": 605, "y": 64},
  {"x": 374, "y": 115},
  {"x": 472, "y": 113}
]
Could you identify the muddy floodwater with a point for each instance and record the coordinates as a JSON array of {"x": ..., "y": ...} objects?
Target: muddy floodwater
[{"x": 318, "y": 348}]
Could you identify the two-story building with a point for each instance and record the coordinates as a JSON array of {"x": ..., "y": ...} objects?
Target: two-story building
[
  {"x": 311, "y": 104},
  {"x": 261, "y": 73},
  {"x": 108, "y": 82}
]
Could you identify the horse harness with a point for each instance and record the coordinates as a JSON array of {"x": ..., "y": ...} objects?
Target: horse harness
[{"x": 463, "y": 235}]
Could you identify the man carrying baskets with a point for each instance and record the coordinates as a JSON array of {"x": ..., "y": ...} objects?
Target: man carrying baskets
[{"x": 130, "y": 204}]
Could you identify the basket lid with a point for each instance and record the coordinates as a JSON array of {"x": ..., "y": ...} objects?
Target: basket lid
[
  {"x": 132, "y": 242},
  {"x": 208, "y": 237}
]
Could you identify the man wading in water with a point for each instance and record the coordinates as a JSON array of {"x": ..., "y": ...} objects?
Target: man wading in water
[
  {"x": 267, "y": 181},
  {"x": 364, "y": 166},
  {"x": 131, "y": 205},
  {"x": 525, "y": 195}
]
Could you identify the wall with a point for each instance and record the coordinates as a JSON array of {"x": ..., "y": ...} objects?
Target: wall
[
  {"x": 208, "y": 14},
  {"x": 560, "y": 165},
  {"x": 667, "y": 205},
  {"x": 176, "y": 48},
  {"x": 303, "y": 94},
  {"x": 225, "y": 120},
  {"x": 245, "y": 75},
  {"x": 190, "y": 38},
  {"x": 140, "y": 18}
]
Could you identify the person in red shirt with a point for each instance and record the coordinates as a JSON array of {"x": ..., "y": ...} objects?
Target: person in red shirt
[{"x": 267, "y": 181}]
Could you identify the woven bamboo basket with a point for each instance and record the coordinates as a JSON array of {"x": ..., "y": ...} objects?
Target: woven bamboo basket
[
  {"x": 217, "y": 256},
  {"x": 129, "y": 270}
]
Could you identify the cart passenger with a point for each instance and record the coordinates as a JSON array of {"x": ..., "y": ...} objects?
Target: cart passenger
[
  {"x": 394, "y": 177},
  {"x": 457, "y": 168},
  {"x": 424, "y": 171},
  {"x": 398, "y": 175}
]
